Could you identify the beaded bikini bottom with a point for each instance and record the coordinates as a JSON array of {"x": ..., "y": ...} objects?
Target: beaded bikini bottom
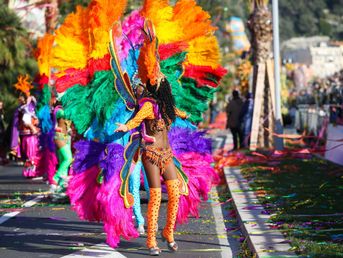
[{"x": 160, "y": 157}]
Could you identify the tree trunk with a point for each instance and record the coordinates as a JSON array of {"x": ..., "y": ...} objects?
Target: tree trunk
[
  {"x": 51, "y": 16},
  {"x": 260, "y": 25}
]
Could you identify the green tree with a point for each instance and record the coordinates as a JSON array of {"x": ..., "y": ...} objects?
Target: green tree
[
  {"x": 15, "y": 55},
  {"x": 66, "y": 7},
  {"x": 310, "y": 18}
]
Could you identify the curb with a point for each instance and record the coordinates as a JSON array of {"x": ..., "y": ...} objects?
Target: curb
[{"x": 262, "y": 240}]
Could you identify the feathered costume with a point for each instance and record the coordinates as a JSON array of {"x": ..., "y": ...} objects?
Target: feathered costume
[
  {"x": 45, "y": 112},
  {"x": 55, "y": 136},
  {"x": 97, "y": 74},
  {"x": 24, "y": 140}
]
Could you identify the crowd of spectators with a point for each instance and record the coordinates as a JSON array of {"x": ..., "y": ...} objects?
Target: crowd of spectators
[{"x": 326, "y": 94}]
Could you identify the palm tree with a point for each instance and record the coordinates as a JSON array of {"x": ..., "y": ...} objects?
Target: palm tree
[
  {"x": 10, "y": 32},
  {"x": 15, "y": 54},
  {"x": 260, "y": 25}
]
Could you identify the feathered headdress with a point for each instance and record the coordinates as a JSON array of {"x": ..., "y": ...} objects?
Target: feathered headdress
[
  {"x": 23, "y": 84},
  {"x": 149, "y": 60}
]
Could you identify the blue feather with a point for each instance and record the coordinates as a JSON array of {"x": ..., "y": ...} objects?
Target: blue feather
[
  {"x": 105, "y": 133},
  {"x": 184, "y": 124},
  {"x": 45, "y": 120}
]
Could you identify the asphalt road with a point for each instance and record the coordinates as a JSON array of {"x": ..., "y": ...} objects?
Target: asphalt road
[{"x": 46, "y": 229}]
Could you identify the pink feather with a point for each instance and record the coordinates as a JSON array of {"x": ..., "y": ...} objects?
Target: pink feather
[
  {"x": 117, "y": 219},
  {"x": 201, "y": 177},
  {"x": 83, "y": 190}
]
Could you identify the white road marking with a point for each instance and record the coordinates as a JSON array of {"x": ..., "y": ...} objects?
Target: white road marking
[
  {"x": 28, "y": 204},
  {"x": 33, "y": 201},
  {"x": 37, "y": 178},
  {"x": 219, "y": 220},
  {"x": 7, "y": 216},
  {"x": 99, "y": 251}
]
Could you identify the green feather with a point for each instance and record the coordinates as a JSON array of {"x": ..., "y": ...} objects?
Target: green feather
[
  {"x": 104, "y": 96},
  {"x": 188, "y": 97},
  {"x": 77, "y": 108},
  {"x": 44, "y": 97},
  {"x": 96, "y": 100}
]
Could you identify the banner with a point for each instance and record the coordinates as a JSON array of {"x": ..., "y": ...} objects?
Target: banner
[{"x": 236, "y": 29}]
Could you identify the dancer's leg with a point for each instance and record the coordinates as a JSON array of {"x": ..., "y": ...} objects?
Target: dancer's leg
[
  {"x": 153, "y": 175},
  {"x": 172, "y": 184},
  {"x": 64, "y": 159},
  {"x": 135, "y": 182}
]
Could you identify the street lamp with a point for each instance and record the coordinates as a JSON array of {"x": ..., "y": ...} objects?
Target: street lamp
[{"x": 278, "y": 142}]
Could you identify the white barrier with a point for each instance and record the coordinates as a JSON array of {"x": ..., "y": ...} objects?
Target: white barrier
[{"x": 335, "y": 154}]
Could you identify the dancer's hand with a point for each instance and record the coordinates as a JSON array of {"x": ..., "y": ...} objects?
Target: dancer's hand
[{"x": 121, "y": 128}]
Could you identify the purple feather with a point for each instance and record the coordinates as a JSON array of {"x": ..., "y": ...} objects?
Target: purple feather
[
  {"x": 113, "y": 161},
  {"x": 87, "y": 155},
  {"x": 185, "y": 140}
]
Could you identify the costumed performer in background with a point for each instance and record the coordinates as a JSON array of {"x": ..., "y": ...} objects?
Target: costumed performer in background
[
  {"x": 25, "y": 129},
  {"x": 63, "y": 149}
]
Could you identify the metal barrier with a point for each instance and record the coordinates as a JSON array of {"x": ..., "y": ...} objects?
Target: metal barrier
[{"x": 311, "y": 119}]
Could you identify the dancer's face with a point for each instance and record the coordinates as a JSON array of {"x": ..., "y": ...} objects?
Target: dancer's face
[
  {"x": 21, "y": 99},
  {"x": 139, "y": 91}
]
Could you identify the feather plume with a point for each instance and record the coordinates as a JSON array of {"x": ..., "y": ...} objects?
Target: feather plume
[
  {"x": 72, "y": 41},
  {"x": 148, "y": 65},
  {"x": 23, "y": 84},
  {"x": 193, "y": 20},
  {"x": 102, "y": 14},
  {"x": 168, "y": 50},
  {"x": 161, "y": 14},
  {"x": 205, "y": 75},
  {"x": 43, "y": 53},
  {"x": 204, "y": 51}
]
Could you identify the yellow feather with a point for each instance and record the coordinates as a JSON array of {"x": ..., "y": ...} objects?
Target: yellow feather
[
  {"x": 43, "y": 53},
  {"x": 72, "y": 41},
  {"x": 161, "y": 15},
  {"x": 69, "y": 53},
  {"x": 204, "y": 51},
  {"x": 102, "y": 15},
  {"x": 100, "y": 43},
  {"x": 194, "y": 21}
]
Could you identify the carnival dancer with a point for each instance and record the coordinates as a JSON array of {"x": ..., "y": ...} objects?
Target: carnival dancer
[
  {"x": 62, "y": 140},
  {"x": 26, "y": 126},
  {"x": 95, "y": 73},
  {"x": 158, "y": 112}
]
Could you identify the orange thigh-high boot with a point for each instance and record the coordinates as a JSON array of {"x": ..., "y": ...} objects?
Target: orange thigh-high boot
[
  {"x": 173, "y": 204},
  {"x": 152, "y": 217}
]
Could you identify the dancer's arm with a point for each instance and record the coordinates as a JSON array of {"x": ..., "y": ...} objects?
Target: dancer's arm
[{"x": 146, "y": 112}]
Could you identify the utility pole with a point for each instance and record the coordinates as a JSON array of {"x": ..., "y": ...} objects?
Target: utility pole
[{"x": 278, "y": 142}]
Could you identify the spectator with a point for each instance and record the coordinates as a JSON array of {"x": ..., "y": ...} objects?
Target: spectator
[
  {"x": 246, "y": 118},
  {"x": 2, "y": 133},
  {"x": 213, "y": 111},
  {"x": 233, "y": 111},
  {"x": 2, "y": 123}
]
